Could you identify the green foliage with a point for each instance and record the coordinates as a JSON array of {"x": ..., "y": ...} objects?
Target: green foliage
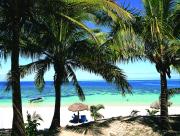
[
  {"x": 32, "y": 124},
  {"x": 94, "y": 111},
  {"x": 53, "y": 33},
  {"x": 152, "y": 112},
  {"x": 62, "y": 40},
  {"x": 158, "y": 31},
  {"x": 173, "y": 91},
  {"x": 134, "y": 113}
]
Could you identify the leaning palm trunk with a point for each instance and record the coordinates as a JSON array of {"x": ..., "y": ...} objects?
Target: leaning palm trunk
[
  {"x": 164, "y": 102},
  {"x": 18, "y": 128},
  {"x": 55, "y": 124}
]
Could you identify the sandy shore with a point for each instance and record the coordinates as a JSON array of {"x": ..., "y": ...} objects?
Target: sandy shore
[{"x": 46, "y": 112}]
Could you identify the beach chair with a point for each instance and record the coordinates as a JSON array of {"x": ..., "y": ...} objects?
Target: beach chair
[
  {"x": 75, "y": 119},
  {"x": 83, "y": 119}
]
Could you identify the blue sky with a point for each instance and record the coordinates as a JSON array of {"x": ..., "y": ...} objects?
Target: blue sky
[{"x": 138, "y": 70}]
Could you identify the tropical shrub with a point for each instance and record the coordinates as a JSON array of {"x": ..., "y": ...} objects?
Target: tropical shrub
[
  {"x": 134, "y": 113},
  {"x": 152, "y": 112},
  {"x": 94, "y": 111},
  {"x": 32, "y": 124}
]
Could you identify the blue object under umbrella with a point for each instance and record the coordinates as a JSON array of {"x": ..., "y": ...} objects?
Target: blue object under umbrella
[{"x": 76, "y": 107}]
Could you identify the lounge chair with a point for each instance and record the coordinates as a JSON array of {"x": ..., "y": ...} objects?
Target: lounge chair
[
  {"x": 75, "y": 119},
  {"x": 83, "y": 119}
]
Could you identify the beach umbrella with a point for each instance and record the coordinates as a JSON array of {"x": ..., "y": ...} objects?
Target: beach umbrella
[{"x": 76, "y": 107}]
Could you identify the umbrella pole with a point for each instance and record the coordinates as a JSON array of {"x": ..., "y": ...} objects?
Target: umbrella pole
[{"x": 78, "y": 116}]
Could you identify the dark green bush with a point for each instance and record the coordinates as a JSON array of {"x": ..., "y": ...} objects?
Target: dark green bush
[{"x": 32, "y": 124}]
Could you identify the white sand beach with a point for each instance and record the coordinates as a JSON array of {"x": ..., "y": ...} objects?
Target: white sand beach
[{"x": 46, "y": 112}]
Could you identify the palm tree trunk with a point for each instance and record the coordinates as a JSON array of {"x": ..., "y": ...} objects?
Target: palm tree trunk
[
  {"x": 18, "y": 128},
  {"x": 55, "y": 124},
  {"x": 164, "y": 102}
]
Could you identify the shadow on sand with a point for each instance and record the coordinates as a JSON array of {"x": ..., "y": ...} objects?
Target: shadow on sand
[{"x": 95, "y": 128}]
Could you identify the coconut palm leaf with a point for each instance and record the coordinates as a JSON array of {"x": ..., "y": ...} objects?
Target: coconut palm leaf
[
  {"x": 79, "y": 24},
  {"x": 9, "y": 81},
  {"x": 79, "y": 90},
  {"x": 32, "y": 67},
  {"x": 173, "y": 91},
  {"x": 94, "y": 111},
  {"x": 98, "y": 107},
  {"x": 109, "y": 72},
  {"x": 176, "y": 68},
  {"x": 39, "y": 77},
  {"x": 127, "y": 46},
  {"x": 40, "y": 67},
  {"x": 113, "y": 7}
]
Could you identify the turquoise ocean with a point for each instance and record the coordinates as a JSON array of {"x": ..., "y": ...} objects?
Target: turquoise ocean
[{"x": 144, "y": 92}]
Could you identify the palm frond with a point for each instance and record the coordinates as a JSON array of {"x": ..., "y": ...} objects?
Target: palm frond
[
  {"x": 79, "y": 90},
  {"x": 39, "y": 77},
  {"x": 94, "y": 111},
  {"x": 32, "y": 67},
  {"x": 99, "y": 115},
  {"x": 100, "y": 106},
  {"x": 9, "y": 81},
  {"x": 79, "y": 25},
  {"x": 40, "y": 67},
  {"x": 127, "y": 46},
  {"x": 111, "y": 7},
  {"x": 176, "y": 68},
  {"x": 173, "y": 91},
  {"x": 109, "y": 72}
]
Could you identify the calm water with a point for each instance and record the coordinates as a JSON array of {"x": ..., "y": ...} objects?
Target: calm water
[{"x": 97, "y": 92}]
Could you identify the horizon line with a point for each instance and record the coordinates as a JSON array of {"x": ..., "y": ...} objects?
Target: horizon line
[{"x": 101, "y": 80}]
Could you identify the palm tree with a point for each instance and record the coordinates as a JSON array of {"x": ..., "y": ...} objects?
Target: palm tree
[
  {"x": 158, "y": 29},
  {"x": 73, "y": 53},
  {"x": 14, "y": 14},
  {"x": 64, "y": 44},
  {"x": 94, "y": 111}
]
